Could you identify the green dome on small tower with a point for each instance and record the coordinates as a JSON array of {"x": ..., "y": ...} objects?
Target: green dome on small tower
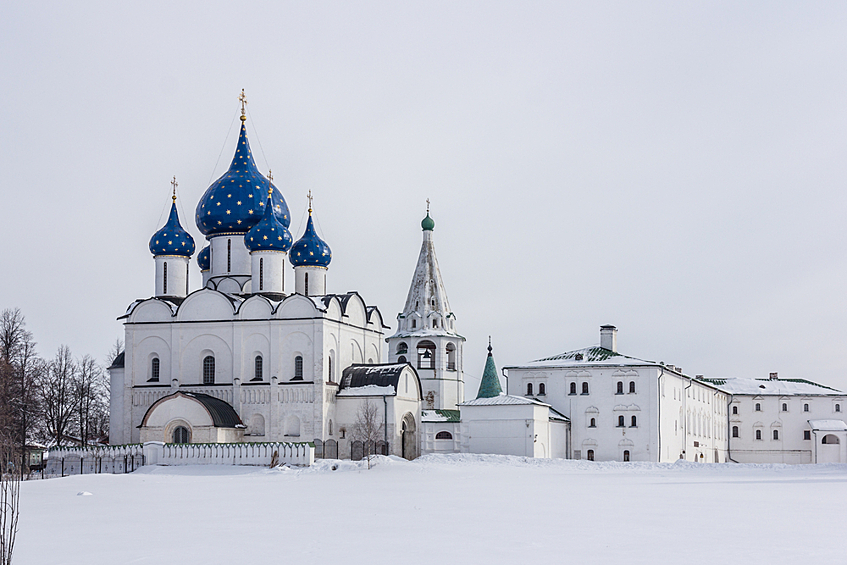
[
  {"x": 489, "y": 386},
  {"x": 427, "y": 223}
]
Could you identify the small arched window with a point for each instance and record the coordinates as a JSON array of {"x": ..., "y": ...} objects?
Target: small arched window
[
  {"x": 631, "y": 386},
  {"x": 758, "y": 434},
  {"x": 573, "y": 388},
  {"x": 776, "y": 434},
  {"x": 542, "y": 389},
  {"x": 734, "y": 431},
  {"x": 165, "y": 278},
  {"x": 257, "y": 368},
  {"x": 426, "y": 355},
  {"x": 620, "y": 388},
  {"x": 758, "y": 407},
  {"x": 621, "y": 422},
  {"x": 414, "y": 324},
  {"x": 261, "y": 273},
  {"x": 306, "y": 284},
  {"x": 228, "y": 255},
  {"x": 298, "y": 368},
  {"x": 451, "y": 357},
  {"x": 735, "y": 409},
  {"x": 330, "y": 427},
  {"x": 838, "y": 408},
  {"x": 329, "y": 368},
  {"x": 805, "y": 408},
  {"x": 590, "y": 455},
  {"x": 443, "y": 435},
  {"x": 584, "y": 388},
  {"x": 402, "y": 359},
  {"x": 593, "y": 423},
  {"x": 633, "y": 422},
  {"x": 402, "y": 348},
  {"x": 181, "y": 435},
  {"x": 626, "y": 455},
  {"x": 154, "y": 370},
  {"x": 209, "y": 370},
  {"x": 529, "y": 389},
  {"x": 785, "y": 407}
]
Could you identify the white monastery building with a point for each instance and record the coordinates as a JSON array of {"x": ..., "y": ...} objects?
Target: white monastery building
[{"x": 240, "y": 361}]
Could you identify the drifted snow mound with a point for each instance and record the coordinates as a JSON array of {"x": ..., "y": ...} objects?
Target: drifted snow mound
[{"x": 340, "y": 465}]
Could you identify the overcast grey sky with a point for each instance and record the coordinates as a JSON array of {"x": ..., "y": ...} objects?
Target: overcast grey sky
[{"x": 676, "y": 169}]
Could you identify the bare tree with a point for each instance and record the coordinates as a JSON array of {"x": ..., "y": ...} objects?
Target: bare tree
[
  {"x": 89, "y": 398},
  {"x": 10, "y": 485},
  {"x": 57, "y": 395},
  {"x": 368, "y": 427},
  {"x": 20, "y": 367}
]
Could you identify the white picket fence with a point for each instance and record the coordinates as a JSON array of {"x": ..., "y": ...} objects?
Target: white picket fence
[
  {"x": 62, "y": 461},
  {"x": 233, "y": 453}
]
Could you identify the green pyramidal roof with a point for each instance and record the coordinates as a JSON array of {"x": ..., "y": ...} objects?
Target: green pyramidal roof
[{"x": 490, "y": 384}]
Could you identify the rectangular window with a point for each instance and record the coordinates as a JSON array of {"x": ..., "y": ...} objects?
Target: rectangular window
[{"x": 807, "y": 434}]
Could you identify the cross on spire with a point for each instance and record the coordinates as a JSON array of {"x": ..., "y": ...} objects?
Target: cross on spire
[
  {"x": 427, "y": 206},
  {"x": 243, "y": 98},
  {"x": 309, "y": 196},
  {"x": 270, "y": 178},
  {"x": 174, "y": 184}
]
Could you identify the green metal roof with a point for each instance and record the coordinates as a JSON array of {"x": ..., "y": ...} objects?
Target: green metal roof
[{"x": 489, "y": 386}]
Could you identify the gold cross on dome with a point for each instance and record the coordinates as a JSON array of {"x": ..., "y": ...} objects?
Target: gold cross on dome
[
  {"x": 427, "y": 206},
  {"x": 243, "y": 99},
  {"x": 309, "y": 196},
  {"x": 174, "y": 184},
  {"x": 270, "y": 178}
]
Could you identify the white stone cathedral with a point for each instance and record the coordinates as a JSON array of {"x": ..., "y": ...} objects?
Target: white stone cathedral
[{"x": 241, "y": 360}]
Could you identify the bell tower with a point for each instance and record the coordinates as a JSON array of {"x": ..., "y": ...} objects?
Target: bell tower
[{"x": 426, "y": 331}]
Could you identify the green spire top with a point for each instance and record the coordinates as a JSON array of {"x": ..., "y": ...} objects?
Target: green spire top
[
  {"x": 427, "y": 223},
  {"x": 490, "y": 385}
]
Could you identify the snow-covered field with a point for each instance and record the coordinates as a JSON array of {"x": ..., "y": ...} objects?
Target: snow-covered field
[{"x": 456, "y": 508}]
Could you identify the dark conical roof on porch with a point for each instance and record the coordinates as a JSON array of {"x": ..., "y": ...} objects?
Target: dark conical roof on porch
[{"x": 490, "y": 384}]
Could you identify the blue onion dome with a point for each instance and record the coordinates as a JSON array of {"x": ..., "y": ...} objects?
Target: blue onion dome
[
  {"x": 269, "y": 234},
  {"x": 235, "y": 202},
  {"x": 310, "y": 250},
  {"x": 172, "y": 239},
  {"x": 204, "y": 259}
]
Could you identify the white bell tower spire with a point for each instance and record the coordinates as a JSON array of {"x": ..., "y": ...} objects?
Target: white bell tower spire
[{"x": 426, "y": 331}]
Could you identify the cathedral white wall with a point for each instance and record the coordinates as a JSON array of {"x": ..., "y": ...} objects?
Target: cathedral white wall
[
  {"x": 116, "y": 407},
  {"x": 316, "y": 284},
  {"x": 209, "y": 326},
  {"x": 429, "y": 444},
  {"x": 268, "y": 268},
  {"x": 229, "y": 256},
  {"x": 791, "y": 447},
  {"x": 171, "y": 275}
]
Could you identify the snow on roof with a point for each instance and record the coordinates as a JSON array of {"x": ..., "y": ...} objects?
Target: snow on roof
[
  {"x": 588, "y": 356},
  {"x": 439, "y": 415},
  {"x": 780, "y": 387},
  {"x": 503, "y": 400},
  {"x": 368, "y": 390},
  {"x": 828, "y": 425}
]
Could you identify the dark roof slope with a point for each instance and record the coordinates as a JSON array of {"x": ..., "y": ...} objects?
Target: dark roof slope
[
  {"x": 385, "y": 374},
  {"x": 222, "y": 413},
  {"x": 118, "y": 363}
]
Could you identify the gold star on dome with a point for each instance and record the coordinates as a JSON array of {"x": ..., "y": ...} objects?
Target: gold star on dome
[
  {"x": 310, "y": 253},
  {"x": 249, "y": 211},
  {"x": 219, "y": 222},
  {"x": 229, "y": 195},
  {"x": 265, "y": 237},
  {"x": 227, "y": 212},
  {"x": 279, "y": 238},
  {"x": 157, "y": 242},
  {"x": 239, "y": 221},
  {"x": 170, "y": 243},
  {"x": 239, "y": 202}
]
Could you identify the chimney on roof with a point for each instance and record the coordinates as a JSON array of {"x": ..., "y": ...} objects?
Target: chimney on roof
[
  {"x": 609, "y": 338},
  {"x": 773, "y": 377}
]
